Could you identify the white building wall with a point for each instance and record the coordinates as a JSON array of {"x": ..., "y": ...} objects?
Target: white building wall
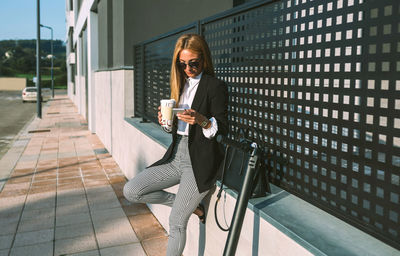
[
  {"x": 77, "y": 95},
  {"x": 70, "y": 89},
  {"x": 82, "y": 95},
  {"x": 132, "y": 149},
  {"x": 258, "y": 237},
  {"x": 83, "y": 21},
  {"x": 74, "y": 96},
  {"x": 92, "y": 67},
  {"x": 103, "y": 107}
]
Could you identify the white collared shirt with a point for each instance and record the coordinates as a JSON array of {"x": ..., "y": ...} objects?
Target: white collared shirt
[{"x": 186, "y": 100}]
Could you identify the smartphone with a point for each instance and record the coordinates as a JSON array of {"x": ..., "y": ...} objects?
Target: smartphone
[{"x": 178, "y": 110}]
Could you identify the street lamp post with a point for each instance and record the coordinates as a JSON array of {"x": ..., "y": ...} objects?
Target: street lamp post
[
  {"x": 51, "y": 45},
  {"x": 39, "y": 91}
]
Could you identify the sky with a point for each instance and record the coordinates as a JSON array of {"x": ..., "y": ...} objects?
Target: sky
[{"x": 18, "y": 19}]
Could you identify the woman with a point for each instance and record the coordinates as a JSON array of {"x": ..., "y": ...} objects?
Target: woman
[{"x": 194, "y": 157}]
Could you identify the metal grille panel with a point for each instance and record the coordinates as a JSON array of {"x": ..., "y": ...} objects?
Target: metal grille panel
[
  {"x": 154, "y": 71},
  {"x": 138, "y": 80},
  {"x": 320, "y": 82}
]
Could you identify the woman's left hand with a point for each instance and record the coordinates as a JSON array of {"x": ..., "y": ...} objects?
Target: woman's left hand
[{"x": 192, "y": 117}]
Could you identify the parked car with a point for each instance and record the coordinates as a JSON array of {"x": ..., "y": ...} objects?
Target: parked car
[{"x": 30, "y": 94}]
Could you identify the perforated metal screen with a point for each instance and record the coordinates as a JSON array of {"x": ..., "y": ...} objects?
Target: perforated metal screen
[
  {"x": 138, "y": 80},
  {"x": 152, "y": 68},
  {"x": 320, "y": 80}
]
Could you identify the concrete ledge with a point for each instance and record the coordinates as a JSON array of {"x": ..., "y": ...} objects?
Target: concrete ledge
[
  {"x": 114, "y": 68},
  {"x": 312, "y": 229},
  {"x": 152, "y": 130}
]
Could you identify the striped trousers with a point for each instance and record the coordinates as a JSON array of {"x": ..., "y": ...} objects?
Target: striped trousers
[{"x": 148, "y": 185}]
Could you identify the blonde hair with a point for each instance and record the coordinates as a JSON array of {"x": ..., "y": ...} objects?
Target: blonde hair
[{"x": 196, "y": 44}]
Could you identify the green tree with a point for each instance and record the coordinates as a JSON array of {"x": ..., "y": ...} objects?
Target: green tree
[{"x": 22, "y": 57}]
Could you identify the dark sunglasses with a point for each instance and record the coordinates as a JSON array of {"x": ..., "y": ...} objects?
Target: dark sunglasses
[{"x": 191, "y": 63}]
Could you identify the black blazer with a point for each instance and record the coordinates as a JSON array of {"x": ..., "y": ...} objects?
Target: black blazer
[{"x": 206, "y": 155}]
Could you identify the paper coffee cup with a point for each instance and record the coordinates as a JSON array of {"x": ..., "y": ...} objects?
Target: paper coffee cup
[{"x": 166, "y": 113}]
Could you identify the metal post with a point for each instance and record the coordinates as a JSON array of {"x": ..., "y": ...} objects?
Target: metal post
[
  {"x": 241, "y": 206},
  {"x": 39, "y": 90},
  {"x": 52, "y": 56},
  {"x": 199, "y": 29},
  {"x": 144, "y": 119}
]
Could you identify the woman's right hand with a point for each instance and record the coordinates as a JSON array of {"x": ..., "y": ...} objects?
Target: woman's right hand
[{"x": 159, "y": 115}]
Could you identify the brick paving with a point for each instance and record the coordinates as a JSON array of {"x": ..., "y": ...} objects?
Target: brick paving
[{"x": 64, "y": 195}]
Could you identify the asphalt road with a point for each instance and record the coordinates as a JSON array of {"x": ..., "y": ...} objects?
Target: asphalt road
[{"x": 13, "y": 116}]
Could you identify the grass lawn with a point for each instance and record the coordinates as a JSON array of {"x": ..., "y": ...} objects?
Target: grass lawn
[
  {"x": 45, "y": 78},
  {"x": 30, "y": 76}
]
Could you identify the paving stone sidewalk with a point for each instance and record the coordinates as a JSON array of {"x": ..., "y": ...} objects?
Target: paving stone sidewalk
[{"x": 63, "y": 194}]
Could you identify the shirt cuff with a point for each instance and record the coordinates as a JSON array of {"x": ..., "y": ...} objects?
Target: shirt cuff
[{"x": 210, "y": 132}]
